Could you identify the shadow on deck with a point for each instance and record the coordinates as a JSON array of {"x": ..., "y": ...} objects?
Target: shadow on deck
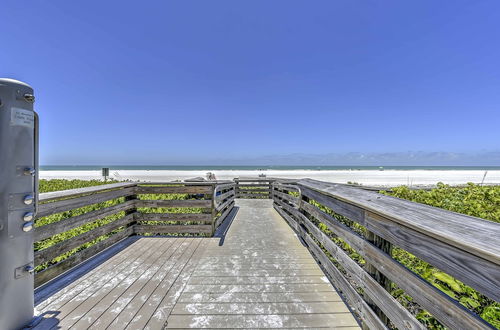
[{"x": 255, "y": 273}]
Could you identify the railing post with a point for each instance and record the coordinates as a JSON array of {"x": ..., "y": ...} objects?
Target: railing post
[
  {"x": 236, "y": 188},
  {"x": 271, "y": 189},
  {"x": 214, "y": 210},
  {"x": 386, "y": 247},
  {"x": 132, "y": 210}
]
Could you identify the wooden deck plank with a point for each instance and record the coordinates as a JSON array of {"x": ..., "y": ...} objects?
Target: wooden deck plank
[
  {"x": 108, "y": 281},
  {"x": 94, "y": 305},
  {"x": 257, "y": 272},
  {"x": 254, "y": 297},
  {"x": 207, "y": 280},
  {"x": 44, "y": 295},
  {"x": 51, "y": 311},
  {"x": 262, "y": 321},
  {"x": 259, "y": 288},
  {"x": 128, "y": 313},
  {"x": 159, "y": 317},
  {"x": 262, "y": 276},
  {"x": 123, "y": 310},
  {"x": 261, "y": 308},
  {"x": 149, "y": 307}
]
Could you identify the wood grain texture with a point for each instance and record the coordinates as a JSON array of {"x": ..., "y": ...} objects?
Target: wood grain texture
[
  {"x": 61, "y": 267},
  {"x": 445, "y": 309},
  {"x": 195, "y": 203},
  {"x": 173, "y": 229},
  {"x": 356, "y": 302},
  {"x": 174, "y": 189},
  {"x": 353, "y": 212},
  {"x": 474, "y": 235},
  {"x": 226, "y": 195},
  {"x": 289, "y": 198},
  {"x": 378, "y": 294},
  {"x": 162, "y": 283},
  {"x": 224, "y": 204},
  {"x": 77, "y": 202},
  {"x": 50, "y": 196},
  {"x": 179, "y": 217},
  {"x": 53, "y": 251},
  {"x": 479, "y": 273},
  {"x": 224, "y": 215},
  {"x": 63, "y": 225},
  {"x": 402, "y": 317}
]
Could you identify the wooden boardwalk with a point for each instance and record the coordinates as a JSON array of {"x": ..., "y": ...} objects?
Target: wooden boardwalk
[{"x": 258, "y": 275}]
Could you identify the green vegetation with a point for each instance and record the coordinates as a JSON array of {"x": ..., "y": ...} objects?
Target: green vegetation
[
  {"x": 474, "y": 200},
  {"x": 56, "y": 185},
  {"x": 60, "y": 184}
]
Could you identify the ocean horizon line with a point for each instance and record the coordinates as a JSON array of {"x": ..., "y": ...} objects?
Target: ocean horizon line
[{"x": 264, "y": 167}]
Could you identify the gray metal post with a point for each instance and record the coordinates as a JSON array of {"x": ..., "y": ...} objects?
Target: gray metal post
[{"x": 18, "y": 201}]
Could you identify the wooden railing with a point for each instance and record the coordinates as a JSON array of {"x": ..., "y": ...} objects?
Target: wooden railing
[
  {"x": 74, "y": 225},
  {"x": 259, "y": 187},
  {"x": 337, "y": 221},
  {"x": 224, "y": 196}
]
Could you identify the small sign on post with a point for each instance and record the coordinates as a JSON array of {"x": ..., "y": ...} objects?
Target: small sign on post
[{"x": 105, "y": 173}]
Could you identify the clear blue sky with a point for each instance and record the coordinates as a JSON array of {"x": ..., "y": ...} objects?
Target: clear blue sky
[{"x": 197, "y": 82}]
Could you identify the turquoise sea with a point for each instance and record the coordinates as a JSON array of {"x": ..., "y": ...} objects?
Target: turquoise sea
[{"x": 214, "y": 168}]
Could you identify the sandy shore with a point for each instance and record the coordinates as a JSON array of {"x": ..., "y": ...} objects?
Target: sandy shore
[{"x": 366, "y": 177}]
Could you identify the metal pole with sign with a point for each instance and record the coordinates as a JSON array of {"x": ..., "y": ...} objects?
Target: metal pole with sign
[
  {"x": 105, "y": 173},
  {"x": 18, "y": 201}
]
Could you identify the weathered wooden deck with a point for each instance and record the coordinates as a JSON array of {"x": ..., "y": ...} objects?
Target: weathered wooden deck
[{"x": 257, "y": 275}]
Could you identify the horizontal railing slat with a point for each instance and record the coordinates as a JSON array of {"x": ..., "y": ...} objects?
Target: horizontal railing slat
[
  {"x": 253, "y": 185},
  {"x": 184, "y": 217},
  {"x": 447, "y": 310},
  {"x": 173, "y": 229},
  {"x": 390, "y": 306},
  {"x": 350, "y": 211},
  {"x": 225, "y": 186},
  {"x": 224, "y": 214},
  {"x": 474, "y": 235},
  {"x": 226, "y": 195},
  {"x": 56, "y": 250},
  {"x": 225, "y": 204},
  {"x": 475, "y": 271},
  {"x": 77, "y": 202},
  {"x": 479, "y": 273},
  {"x": 289, "y": 198},
  {"x": 195, "y": 203},
  {"x": 61, "y": 267},
  {"x": 63, "y": 225},
  {"x": 49, "y": 196},
  {"x": 253, "y": 190},
  {"x": 174, "y": 190}
]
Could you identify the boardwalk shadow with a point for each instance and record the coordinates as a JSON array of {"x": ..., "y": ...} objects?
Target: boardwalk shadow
[
  {"x": 59, "y": 283},
  {"x": 225, "y": 225},
  {"x": 49, "y": 318}
]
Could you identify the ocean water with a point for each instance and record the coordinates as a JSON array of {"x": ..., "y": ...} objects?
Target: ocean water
[{"x": 258, "y": 168}]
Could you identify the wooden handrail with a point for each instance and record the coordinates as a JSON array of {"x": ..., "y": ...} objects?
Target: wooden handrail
[
  {"x": 462, "y": 246},
  {"x": 50, "y": 196},
  {"x": 475, "y": 235}
]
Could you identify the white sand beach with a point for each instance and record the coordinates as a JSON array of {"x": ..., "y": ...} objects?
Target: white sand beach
[{"x": 365, "y": 177}]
